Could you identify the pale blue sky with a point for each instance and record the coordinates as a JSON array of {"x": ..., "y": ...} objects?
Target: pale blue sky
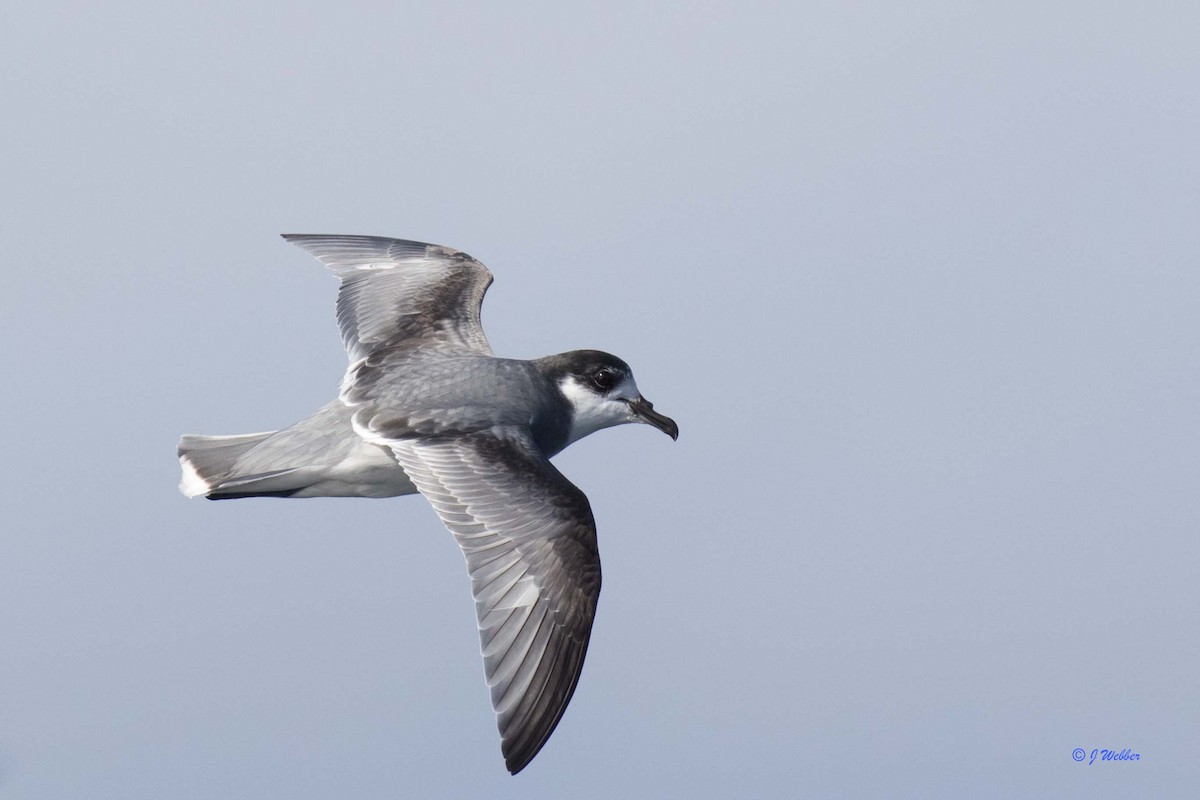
[{"x": 919, "y": 283}]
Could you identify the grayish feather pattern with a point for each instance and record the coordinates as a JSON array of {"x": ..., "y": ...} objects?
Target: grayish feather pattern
[
  {"x": 402, "y": 294},
  {"x": 423, "y": 383},
  {"x": 530, "y": 544}
]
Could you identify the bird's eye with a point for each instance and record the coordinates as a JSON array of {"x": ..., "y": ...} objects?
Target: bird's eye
[{"x": 605, "y": 379}]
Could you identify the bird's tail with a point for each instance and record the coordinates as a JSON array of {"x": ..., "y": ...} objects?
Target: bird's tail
[
  {"x": 320, "y": 456},
  {"x": 209, "y": 465}
]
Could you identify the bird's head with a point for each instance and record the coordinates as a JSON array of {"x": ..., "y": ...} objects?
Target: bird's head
[{"x": 602, "y": 392}]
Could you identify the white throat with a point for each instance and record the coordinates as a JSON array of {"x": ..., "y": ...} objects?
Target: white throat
[{"x": 593, "y": 412}]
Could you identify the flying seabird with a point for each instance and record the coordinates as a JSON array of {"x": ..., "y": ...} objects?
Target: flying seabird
[{"x": 426, "y": 407}]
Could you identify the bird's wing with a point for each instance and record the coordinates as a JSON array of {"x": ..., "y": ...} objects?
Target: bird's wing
[
  {"x": 402, "y": 295},
  {"x": 530, "y": 543}
]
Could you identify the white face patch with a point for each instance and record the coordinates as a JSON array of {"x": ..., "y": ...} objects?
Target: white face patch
[{"x": 593, "y": 411}]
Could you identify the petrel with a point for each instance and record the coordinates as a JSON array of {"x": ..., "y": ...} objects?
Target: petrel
[{"x": 426, "y": 407}]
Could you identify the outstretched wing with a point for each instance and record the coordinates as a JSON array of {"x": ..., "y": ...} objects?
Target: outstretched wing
[
  {"x": 402, "y": 295},
  {"x": 530, "y": 543}
]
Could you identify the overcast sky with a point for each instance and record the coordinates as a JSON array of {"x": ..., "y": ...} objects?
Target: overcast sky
[{"x": 919, "y": 283}]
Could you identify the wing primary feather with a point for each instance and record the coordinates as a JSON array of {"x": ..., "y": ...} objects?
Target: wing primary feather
[{"x": 529, "y": 541}]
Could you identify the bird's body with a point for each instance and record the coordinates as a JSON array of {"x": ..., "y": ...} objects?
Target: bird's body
[{"x": 425, "y": 406}]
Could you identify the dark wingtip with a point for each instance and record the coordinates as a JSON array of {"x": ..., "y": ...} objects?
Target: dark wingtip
[
  {"x": 519, "y": 759},
  {"x": 217, "y": 494}
]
